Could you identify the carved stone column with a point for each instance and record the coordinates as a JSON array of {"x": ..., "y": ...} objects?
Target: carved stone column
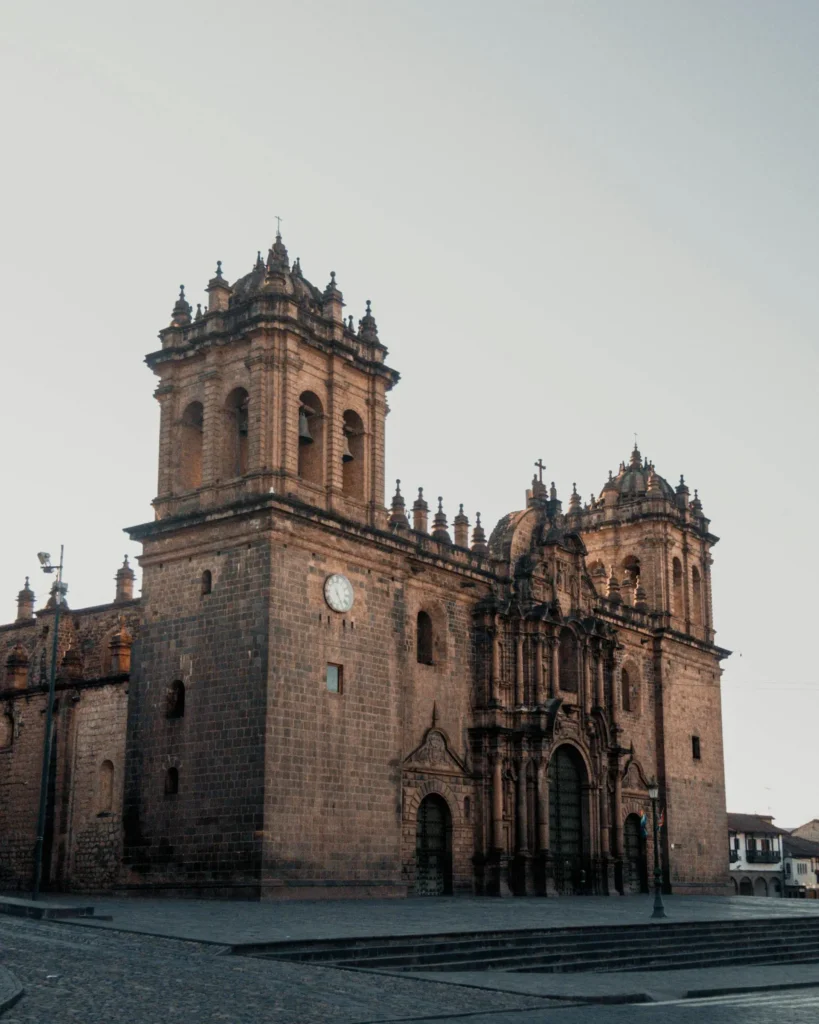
[
  {"x": 495, "y": 670},
  {"x": 543, "y": 878},
  {"x": 600, "y": 689},
  {"x": 497, "y": 861},
  {"x": 538, "y": 689},
  {"x": 523, "y": 858},
  {"x": 554, "y": 674},
  {"x": 497, "y": 801},
  {"x": 520, "y": 682},
  {"x": 587, "y": 676}
]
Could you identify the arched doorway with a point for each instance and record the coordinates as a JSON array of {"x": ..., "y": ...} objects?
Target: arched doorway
[
  {"x": 433, "y": 847},
  {"x": 746, "y": 887},
  {"x": 567, "y": 825},
  {"x": 760, "y": 887},
  {"x": 776, "y": 888},
  {"x": 635, "y": 862}
]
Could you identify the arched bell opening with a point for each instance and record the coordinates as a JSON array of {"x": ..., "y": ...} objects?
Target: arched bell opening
[
  {"x": 191, "y": 430},
  {"x": 433, "y": 847},
  {"x": 696, "y": 596},
  {"x": 311, "y": 438},
  {"x": 635, "y": 858},
  {"x": 569, "y": 844},
  {"x": 236, "y": 434},
  {"x": 631, "y": 568},
  {"x": 353, "y": 460},
  {"x": 677, "y": 603}
]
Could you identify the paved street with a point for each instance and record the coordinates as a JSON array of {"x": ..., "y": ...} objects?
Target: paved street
[
  {"x": 100, "y": 975},
  {"x": 798, "y": 1007},
  {"x": 233, "y": 922},
  {"x": 89, "y": 977}
]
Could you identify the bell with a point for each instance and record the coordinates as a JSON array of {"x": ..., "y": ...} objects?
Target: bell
[
  {"x": 347, "y": 455},
  {"x": 304, "y": 429}
]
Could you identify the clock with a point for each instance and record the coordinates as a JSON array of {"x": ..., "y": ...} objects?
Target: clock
[{"x": 338, "y": 593}]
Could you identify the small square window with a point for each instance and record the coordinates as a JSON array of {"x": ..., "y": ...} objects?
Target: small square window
[
  {"x": 335, "y": 678},
  {"x": 695, "y": 747}
]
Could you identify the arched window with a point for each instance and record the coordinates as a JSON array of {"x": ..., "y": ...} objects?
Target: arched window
[
  {"x": 6, "y": 730},
  {"x": 106, "y": 787},
  {"x": 235, "y": 450},
  {"x": 207, "y": 582},
  {"x": 424, "y": 639},
  {"x": 176, "y": 699},
  {"x": 353, "y": 458},
  {"x": 567, "y": 656},
  {"x": 677, "y": 605},
  {"x": 311, "y": 438},
  {"x": 696, "y": 596},
  {"x": 171, "y": 781},
  {"x": 631, "y": 565},
  {"x": 190, "y": 447}
]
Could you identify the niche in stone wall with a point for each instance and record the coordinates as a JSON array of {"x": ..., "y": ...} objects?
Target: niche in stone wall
[{"x": 105, "y": 788}]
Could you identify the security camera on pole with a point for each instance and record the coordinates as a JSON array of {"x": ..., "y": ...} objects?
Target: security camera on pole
[{"x": 59, "y": 591}]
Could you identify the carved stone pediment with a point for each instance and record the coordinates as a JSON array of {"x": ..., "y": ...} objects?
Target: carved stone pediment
[
  {"x": 434, "y": 753},
  {"x": 634, "y": 777}
]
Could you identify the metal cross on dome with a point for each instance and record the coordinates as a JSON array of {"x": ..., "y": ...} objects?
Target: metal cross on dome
[{"x": 540, "y": 465}]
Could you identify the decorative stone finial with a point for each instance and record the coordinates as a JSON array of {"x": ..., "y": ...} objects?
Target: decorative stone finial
[
  {"x": 181, "y": 315},
  {"x": 367, "y": 327},
  {"x": 398, "y": 515},
  {"x": 613, "y": 588},
  {"x": 25, "y": 603},
  {"x": 461, "y": 526},
  {"x": 420, "y": 512},
  {"x": 125, "y": 583},
  {"x": 440, "y": 529},
  {"x": 479, "y": 545}
]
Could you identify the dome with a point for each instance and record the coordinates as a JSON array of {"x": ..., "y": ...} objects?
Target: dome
[{"x": 636, "y": 480}]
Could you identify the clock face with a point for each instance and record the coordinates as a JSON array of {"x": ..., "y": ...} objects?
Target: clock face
[{"x": 338, "y": 593}]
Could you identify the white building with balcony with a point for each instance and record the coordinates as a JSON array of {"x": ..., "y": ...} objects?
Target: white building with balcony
[
  {"x": 755, "y": 853},
  {"x": 801, "y": 860}
]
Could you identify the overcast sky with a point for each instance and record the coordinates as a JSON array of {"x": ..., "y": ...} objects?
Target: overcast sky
[{"x": 576, "y": 221}]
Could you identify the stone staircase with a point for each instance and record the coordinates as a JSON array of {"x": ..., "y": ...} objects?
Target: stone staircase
[{"x": 659, "y": 946}]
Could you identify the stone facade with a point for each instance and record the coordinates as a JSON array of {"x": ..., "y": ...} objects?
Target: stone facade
[{"x": 475, "y": 715}]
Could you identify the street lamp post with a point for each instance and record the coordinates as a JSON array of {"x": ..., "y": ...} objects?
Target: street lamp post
[
  {"x": 59, "y": 590},
  {"x": 659, "y": 908}
]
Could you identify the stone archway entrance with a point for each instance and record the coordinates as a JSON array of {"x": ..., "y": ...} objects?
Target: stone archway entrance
[
  {"x": 635, "y": 861},
  {"x": 567, "y": 821},
  {"x": 433, "y": 847},
  {"x": 746, "y": 887},
  {"x": 760, "y": 887}
]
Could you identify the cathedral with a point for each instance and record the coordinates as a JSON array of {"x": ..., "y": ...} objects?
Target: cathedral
[{"x": 319, "y": 694}]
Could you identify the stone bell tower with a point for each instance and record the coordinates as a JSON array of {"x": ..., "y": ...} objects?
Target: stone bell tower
[
  {"x": 269, "y": 389},
  {"x": 271, "y": 459}
]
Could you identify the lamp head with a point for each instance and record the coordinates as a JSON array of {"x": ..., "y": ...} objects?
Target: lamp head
[
  {"x": 653, "y": 791},
  {"x": 45, "y": 559}
]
